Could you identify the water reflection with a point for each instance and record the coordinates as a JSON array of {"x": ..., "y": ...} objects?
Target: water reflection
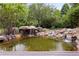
[
  {"x": 19, "y": 47},
  {"x": 22, "y": 47},
  {"x": 36, "y": 44}
]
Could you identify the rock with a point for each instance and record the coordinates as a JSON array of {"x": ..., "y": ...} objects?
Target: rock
[
  {"x": 18, "y": 36},
  {"x": 3, "y": 38}
]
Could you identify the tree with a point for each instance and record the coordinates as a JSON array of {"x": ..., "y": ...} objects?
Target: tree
[
  {"x": 47, "y": 23},
  {"x": 38, "y": 13},
  {"x": 58, "y": 19},
  {"x": 64, "y": 9},
  {"x": 74, "y": 17},
  {"x": 74, "y": 4},
  {"x": 10, "y": 14}
]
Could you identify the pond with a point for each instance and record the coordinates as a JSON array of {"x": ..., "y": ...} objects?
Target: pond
[{"x": 35, "y": 44}]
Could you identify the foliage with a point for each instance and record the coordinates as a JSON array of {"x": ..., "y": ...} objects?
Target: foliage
[
  {"x": 58, "y": 19},
  {"x": 73, "y": 16},
  {"x": 38, "y": 13},
  {"x": 74, "y": 4},
  {"x": 11, "y": 14},
  {"x": 64, "y": 9},
  {"x": 47, "y": 23}
]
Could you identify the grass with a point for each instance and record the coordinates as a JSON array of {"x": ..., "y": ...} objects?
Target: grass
[{"x": 32, "y": 44}]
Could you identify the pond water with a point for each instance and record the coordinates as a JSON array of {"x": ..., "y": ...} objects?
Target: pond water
[
  {"x": 19, "y": 47},
  {"x": 35, "y": 44}
]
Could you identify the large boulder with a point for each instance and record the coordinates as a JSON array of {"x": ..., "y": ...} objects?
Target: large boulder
[{"x": 4, "y": 38}]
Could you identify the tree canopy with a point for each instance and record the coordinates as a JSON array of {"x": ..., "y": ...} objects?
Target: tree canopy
[
  {"x": 64, "y": 9},
  {"x": 11, "y": 14},
  {"x": 39, "y": 14},
  {"x": 74, "y": 17}
]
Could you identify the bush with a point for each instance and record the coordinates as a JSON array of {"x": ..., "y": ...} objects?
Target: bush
[{"x": 73, "y": 16}]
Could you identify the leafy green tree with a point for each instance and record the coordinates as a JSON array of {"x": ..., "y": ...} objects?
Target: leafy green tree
[
  {"x": 48, "y": 23},
  {"x": 64, "y": 9},
  {"x": 10, "y": 14},
  {"x": 38, "y": 13},
  {"x": 58, "y": 20},
  {"x": 73, "y": 16},
  {"x": 74, "y": 4},
  {"x": 57, "y": 15},
  {"x": 66, "y": 21}
]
